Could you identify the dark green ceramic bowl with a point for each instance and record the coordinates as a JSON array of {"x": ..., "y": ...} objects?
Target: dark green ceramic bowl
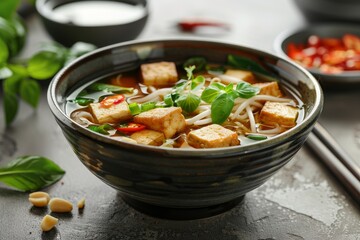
[{"x": 181, "y": 183}]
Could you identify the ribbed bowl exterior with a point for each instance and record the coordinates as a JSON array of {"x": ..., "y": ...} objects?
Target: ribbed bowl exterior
[
  {"x": 182, "y": 178},
  {"x": 175, "y": 181}
]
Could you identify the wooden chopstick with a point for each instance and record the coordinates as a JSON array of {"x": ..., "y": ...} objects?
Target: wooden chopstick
[
  {"x": 325, "y": 137},
  {"x": 330, "y": 158}
]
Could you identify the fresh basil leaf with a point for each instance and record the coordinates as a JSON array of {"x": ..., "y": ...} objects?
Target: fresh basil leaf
[
  {"x": 199, "y": 63},
  {"x": 210, "y": 94},
  {"x": 108, "y": 88},
  {"x": 189, "y": 71},
  {"x": 229, "y": 88},
  {"x": 12, "y": 84},
  {"x": 197, "y": 83},
  {"x": 247, "y": 64},
  {"x": 83, "y": 101},
  {"x": 8, "y": 36},
  {"x": 4, "y": 52},
  {"x": 102, "y": 129},
  {"x": 256, "y": 137},
  {"x": 18, "y": 70},
  {"x": 30, "y": 92},
  {"x": 45, "y": 64},
  {"x": 8, "y": 8},
  {"x": 30, "y": 173},
  {"x": 221, "y": 108},
  {"x": 20, "y": 30},
  {"x": 11, "y": 105},
  {"x": 188, "y": 102},
  {"x": 246, "y": 90}
]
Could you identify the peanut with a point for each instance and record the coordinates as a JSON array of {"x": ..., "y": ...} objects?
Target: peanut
[
  {"x": 48, "y": 222},
  {"x": 60, "y": 205},
  {"x": 39, "y": 199},
  {"x": 81, "y": 203}
]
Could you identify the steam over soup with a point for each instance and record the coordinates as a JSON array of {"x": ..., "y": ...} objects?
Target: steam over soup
[{"x": 196, "y": 105}]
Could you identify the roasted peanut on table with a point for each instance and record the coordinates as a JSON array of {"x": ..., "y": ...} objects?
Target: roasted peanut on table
[
  {"x": 48, "y": 222},
  {"x": 81, "y": 203},
  {"x": 39, "y": 199},
  {"x": 60, "y": 205}
]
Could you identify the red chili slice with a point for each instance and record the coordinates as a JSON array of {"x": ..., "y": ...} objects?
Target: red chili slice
[
  {"x": 131, "y": 127},
  {"x": 112, "y": 100},
  {"x": 330, "y": 55}
]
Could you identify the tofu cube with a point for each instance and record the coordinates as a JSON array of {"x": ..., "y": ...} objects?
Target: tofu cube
[
  {"x": 274, "y": 113},
  {"x": 269, "y": 88},
  {"x": 149, "y": 137},
  {"x": 246, "y": 76},
  {"x": 212, "y": 136},
  {"x": 159, "y": 74},
  {"x": 166, "y": 120},
  {"x": 113, "y": 114}
]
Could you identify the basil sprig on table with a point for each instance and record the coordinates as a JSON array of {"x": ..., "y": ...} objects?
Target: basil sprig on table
[
  {"x": 30, "y": 173},
  {"x": 20, "y": 81}
]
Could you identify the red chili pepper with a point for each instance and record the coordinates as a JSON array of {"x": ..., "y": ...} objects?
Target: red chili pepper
[
  {"x": 131, "y": 127},
  {"x": 112, "y": 100},
  {"x": 190, "y": 26},
  {"x": 330, "y": 55}
]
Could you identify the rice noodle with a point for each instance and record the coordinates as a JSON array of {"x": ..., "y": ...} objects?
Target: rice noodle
[
  {"x": 152, "y": 96},
  {"x": 82, "y": 117},
  {"x": 276, "y": 130},
  {"x": 203, "y": 121},
  {"x": 251, "y": 119},
  {"x": 199, "y": 116}
]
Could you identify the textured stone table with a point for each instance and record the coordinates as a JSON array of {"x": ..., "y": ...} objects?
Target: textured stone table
[{"x": 302, "y": 201}]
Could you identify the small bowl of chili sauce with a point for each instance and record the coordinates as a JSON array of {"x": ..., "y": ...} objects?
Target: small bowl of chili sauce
[{"x": 331, "y": 52}]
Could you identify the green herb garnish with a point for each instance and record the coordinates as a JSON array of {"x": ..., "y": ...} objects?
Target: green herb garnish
[
  {"x": 199, "y": 63},
  {"x": 248, "y": 64},
  {"x": 21, "y": 79},
  {"x": 30, "y": 173},
  {"x": 137, "y": 108},
  {"x": 256, "y": 137},
  {"x": 102, "y": 129},
  {"x": 221, "y": 97},
  {"x": 183, "y": 94}
]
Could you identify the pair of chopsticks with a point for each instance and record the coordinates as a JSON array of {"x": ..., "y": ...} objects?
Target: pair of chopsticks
[{"x": 336, "y": 159}]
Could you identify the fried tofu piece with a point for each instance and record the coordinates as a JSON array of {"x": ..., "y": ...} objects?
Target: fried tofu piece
[
  {"x": 278, "y": 113},
  {"x": 149, "y": 137},
  {"x": 113, "y": 114},
  {"x": 212, "y": 136},
  {"x": 166, "y": 120},
  {"x": 159, "y": 74},
  {"x": 269, "y": 88},
  {"x": 246, "y": 76}
]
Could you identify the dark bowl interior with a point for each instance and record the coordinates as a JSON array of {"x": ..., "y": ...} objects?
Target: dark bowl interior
[
  {"x": 343, "y": 80},
  {"x": 180, "y": 183},
  {"x": 68, "y": 33}
]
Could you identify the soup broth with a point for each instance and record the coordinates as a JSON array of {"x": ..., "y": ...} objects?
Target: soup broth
[{"x": 195, "y": 105}]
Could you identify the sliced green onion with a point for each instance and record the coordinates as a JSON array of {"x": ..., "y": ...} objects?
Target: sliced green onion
[{"x": 256, "y": 137}]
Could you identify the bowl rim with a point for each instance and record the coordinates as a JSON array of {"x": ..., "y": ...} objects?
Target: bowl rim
[
  {"x": 40, "y": 6},
  {"x": 337, "y": 78},
  {"x": 183, "y": 152}
]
